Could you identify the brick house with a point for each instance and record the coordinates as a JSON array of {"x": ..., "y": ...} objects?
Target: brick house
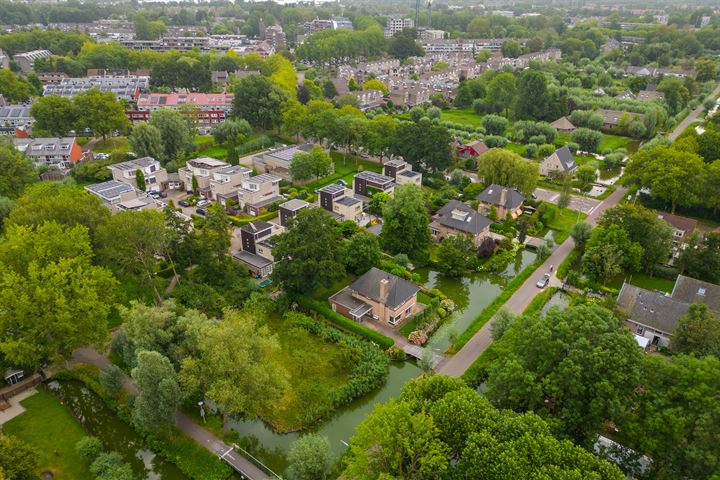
[
  {"x": 504, "y": 199},
  {"x": 457, "y": 218}
]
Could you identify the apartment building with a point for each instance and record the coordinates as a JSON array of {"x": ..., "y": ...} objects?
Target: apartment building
[
  {"x": 124, "y": 88},
  {"x": 58, "y": 153},
  {"x": 227, "y": 181},
  {"x": 26, "y": 61},
  {"x": 208, "y": 108},
  {"x": 397, "y": 24}
]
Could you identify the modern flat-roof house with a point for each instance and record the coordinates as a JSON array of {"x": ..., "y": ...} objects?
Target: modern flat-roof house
[
  {"x": 340, "y": 202},
  {"x": 505, "y": 200},
  {"x": 457, "y": 218},
  {"x": 202, "y": 169},
  {"x": 256, "y": 253},
  {"x": 227, "y": 181},
  {"x": 402, "y": 172},
  {"x": 26, "y": 61},
  {"x": 278, "y": 160},
  {"x": 15, "y": 116},
  {"x": 378, "y": 296},
  {"x": 259, "y": 192},
  {"x": 113, "y": 193},
  {"x": 124, "y": 88},
  {"x": 290, "y": 210},
  {"x": 60, "y": 153},
  {"x": 367, "y": 183},
  {"x": 654, "y": 315},
  {"x": 156, "y": 176},
  {"x": 209, "y": 108},
  {"x": 472, "y": 149},
  {"x": 560, "y": 162}
]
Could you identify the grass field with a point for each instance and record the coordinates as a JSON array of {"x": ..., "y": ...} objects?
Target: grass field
[
  {"x": 111, "y": 144},
  {"x": 344, "y": 170},
  {"x": 610, "y": 141},
  {"x": 562, "y": 223},
  {"x": 48, "y": 427},
  {"x": 466, "y": 116},
  {"x": 645, "y": 281}
]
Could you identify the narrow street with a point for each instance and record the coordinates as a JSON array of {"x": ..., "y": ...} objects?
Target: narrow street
[{"x": 692, "y": 116}]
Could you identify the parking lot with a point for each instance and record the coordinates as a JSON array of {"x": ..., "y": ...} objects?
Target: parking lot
[{"x": 577, "y": 203}]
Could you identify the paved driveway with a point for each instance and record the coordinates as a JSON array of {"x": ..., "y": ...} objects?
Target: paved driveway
[{"x": 577, "y": 203}]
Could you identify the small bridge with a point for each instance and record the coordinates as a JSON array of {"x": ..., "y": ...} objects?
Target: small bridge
[
  {"x": 241, "y": 463},
  {"x": 417, "y": 352}
]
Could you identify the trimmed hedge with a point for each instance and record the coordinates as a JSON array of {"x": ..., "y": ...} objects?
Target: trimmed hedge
[
  {"x": 492, "y": 309},
  {"x": 239, "y": 222},
  {"x": 344, "y": 322}
]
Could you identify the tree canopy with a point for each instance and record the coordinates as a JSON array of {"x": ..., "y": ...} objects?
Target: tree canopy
[
  {"x": 406, "y": 222},
  {"x": 503, "y": 167}
]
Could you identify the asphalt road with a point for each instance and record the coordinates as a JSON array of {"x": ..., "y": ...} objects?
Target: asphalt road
[
  {"x": 461, "y": 361},
  {"x": 691, "y": 117}
]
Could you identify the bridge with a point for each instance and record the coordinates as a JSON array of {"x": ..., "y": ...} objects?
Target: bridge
[{"x": 417, "y": 352}]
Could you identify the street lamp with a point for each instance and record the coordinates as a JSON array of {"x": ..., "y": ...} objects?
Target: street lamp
[{"x": 202, "y": 410}]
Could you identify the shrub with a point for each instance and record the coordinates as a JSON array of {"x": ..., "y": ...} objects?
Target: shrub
[
  {"x": 537, "y": 139},
  {"x": 531, "y": 150},
  {"x": 89, "y": 447},
  {"x": 494, "y": 141},
  {"x": 546, "y": 150}
]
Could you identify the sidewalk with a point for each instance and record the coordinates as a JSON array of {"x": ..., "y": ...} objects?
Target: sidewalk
[{"x": 15, "y": 407}]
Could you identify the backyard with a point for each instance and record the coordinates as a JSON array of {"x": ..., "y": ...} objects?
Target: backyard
[{"x": 47, "y": 426}]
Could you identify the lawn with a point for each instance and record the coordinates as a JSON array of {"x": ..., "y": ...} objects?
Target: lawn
[
  {"x": 562, "y": 222},
  {"x": 609, "y": 141},
  {"x": 48, "y": 427},
  {"x": 645, "y": 281},
  {"x": 111, "y": 144},
  {"x": 316, "y": 368},
  {"x": 465, "y": 116},
  {"x": 345, "y": 169}
]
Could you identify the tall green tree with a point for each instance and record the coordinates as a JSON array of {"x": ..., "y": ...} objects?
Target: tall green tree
[
  {"x": 233, "y": 367},
  {"x": 13, "y": 88},
  {"x": 456, "y": 255},
  {"x": 313, "y": 164},
  {"x": 309, "y": 458},
  {"x": 159, "y": 392},
  {"x": 424, "y": 145},
  {"x": 362, "y": 253},
  {"x": 406, "y": 222},
  {"x": 16, "y": 171},
  {"x": 54, "y": 114},
  {"x": 701, "y": 258},
  {"x": 676, "y": 93},
  {"x": 503, "y": 167},
  {"x": 101, "y": 112},
  {"x": 502, "y": 93},
  {"x": 532, "y": 96},
  {"x": 583, "y": 372},
  {"x": 259, "y": 101},
  {"x": 146, "y": 141},
  {"x": 211, "y": 246},
  {"x": 609, "y": 252},
  {"x": 310, "y": 254},
  {"x": 174, "y": 131},
  {"x": 54, "y": 299},
  {"x": 18, "y": 460},
  {"x": 403, "y": 45},
  {"x": 698, "y": 332}
]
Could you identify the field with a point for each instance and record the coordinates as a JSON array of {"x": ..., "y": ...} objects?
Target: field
[
  {"x": 562, "y": 223},
  {"x": 465, "y": 116},
  {"x": 610, "y": 141},
  {"x": 48, "y": 427},
  {"x": 645, "y": 281},
  {"x": 344, "y": 170},
  {"x": 111, "y": 144}
]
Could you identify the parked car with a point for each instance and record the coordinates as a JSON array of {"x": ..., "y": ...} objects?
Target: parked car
[
  {"x": 203, "y": 203},
  {"x": 101, "y": 156},
  {"x": 543, "y": 282},
  {"x": 183, "y": 203},
  {"x": 342, "y": 182},
  {"x": 201, "y": 211},
  {"x": 162, "y": 194}
]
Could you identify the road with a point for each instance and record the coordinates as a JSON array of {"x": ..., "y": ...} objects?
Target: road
[
  {"x": 691, "y": 117},
  {"x": 518, "y": 302}
]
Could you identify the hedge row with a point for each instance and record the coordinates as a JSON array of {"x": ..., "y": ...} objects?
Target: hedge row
[
  {"x": 492, "y": 309},
  {"x": 239, "y": 222},
  {"x": 344, "y": 322}
]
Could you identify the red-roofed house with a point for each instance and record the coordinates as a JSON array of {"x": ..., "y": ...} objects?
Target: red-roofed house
[
  {"x": 210, "y": 108},
  {"x": 472, "y": 149}
]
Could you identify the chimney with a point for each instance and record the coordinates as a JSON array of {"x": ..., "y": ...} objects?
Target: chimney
[
  {"x": 503, "y": 197},
  {"x": 384, "y": 288}
]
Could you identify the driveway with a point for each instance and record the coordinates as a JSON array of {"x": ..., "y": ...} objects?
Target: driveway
[{"x": 579, "y": 204}]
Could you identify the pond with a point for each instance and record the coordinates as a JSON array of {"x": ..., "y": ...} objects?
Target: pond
[
  {"x": 100, "y": 421},
  {"x": 471, "y": 294}
]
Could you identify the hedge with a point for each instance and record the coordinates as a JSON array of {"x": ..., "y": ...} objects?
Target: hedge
[
  {"x": 239, "y": 222},
  {"x": 344, "y": 322},
  {"x": 492, "y": 309}
]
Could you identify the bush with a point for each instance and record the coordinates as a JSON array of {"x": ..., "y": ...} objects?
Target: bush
[
  {"x": 537, "y": 139},
  {"x": 112, "y": 380},
  {"x": 239, "y": 222},
  {"x": 546, "y": 150},
  {"x": 494, "y": 141},
  {"x": 494, "y": 124},
  {"x": 344, "y": 322},
  {"x": 256, "y": 144},
  {"x": 89, "y": 447},
  {"x": 531, "y": 150}
]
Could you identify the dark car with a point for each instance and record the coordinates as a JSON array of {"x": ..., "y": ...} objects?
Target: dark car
[
  {"x": 162, "y": 194},
  {"x": 183, "y": 203},
  {"x": 201, "y": 211}
]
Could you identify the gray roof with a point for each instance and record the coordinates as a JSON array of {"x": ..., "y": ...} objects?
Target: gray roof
[
  {"x": 256, "y": 226},
  {"x": 566, "y": 158},
  {"x": 332, "y": 189},
  {"x": 409, "y": 174},
  {"x": 691, "y": 290},
  {"x": 110, "y": 189},
  {"x": 472, "y": 222},
  {"x": 492, "y": 194},
  {"x": 286, "y": 154},
  {"x": 232, "y": 169},
  {"x": 264, "y": 178},
  {"x": 134, "y": 164},
  {"x": 399, "y": 289},
  {"x": 652, "y": 309},
  {"x": 251, "y": 259},
  {"x": 375, "y": 177},
  {"x": 395, "y": 163},
  {"x": 348, "y": 201},
  {"x": 294, "y": 204},
  {"x": 10, "y": 112}
]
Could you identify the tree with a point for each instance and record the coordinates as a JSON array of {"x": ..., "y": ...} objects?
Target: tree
[
  {"x": 13, "y": 88},
  {"x": 698, "y": 332},
  {"x": 146, "y": 141},
  {"x": 403, "y": 45},
  {"x": 111, "y": 380},
  {"x": 6, "y": 206},
  {"x": 644, "y": 227},
  {"x": 424, "y": 145},
  {"x": 140, "y": 180},
  {"x": 609, "y": 252},
  {"x": 532, "y": 97},
  {"x": 329, "y": 89},
  {"x": 159, "y": 392},
  {"x": 583, "y": 373},
  {"x": 231, "y": 132},
  {"x": 309, "y": 255},
  {"x": 565, "y": 195},
  {"x": 111, "y": 466},
  {"x": 511, "y": 48},
  {"x": 675, "y": 417},
  {"x": 18, "y": 460},
  {"x": 233, "y": 367},
  {"x": 362, "y": 253},
  {"x": 54, "y": 114},
  {"x": 54, "y": 300},
  {"x": 494, "y": 124},
  {"x": 211, "y": 245},
  {"x": 101, "y": 112},
  {"x": 502, "y": 321},
  {"x": 701, "y": 258},
  {"x": 587, "y": 140},
  {"x": 89, "y": 447},
  {"x": 587, "y": 175},
  {"x": 309, "y": 458},
  {"x": 259, "y": 101},
  {"x": 455, "y": 255},
  {"x": 501, "y": 92},
  {"x": 406, "y": 222},
  {"x": 580, "y": 233},
  {"x": 174, "y": 131},
  {"x": 147, "y": 30},
  {"x": 503, "y": 167},
  {"x": 676, "y": 93},
  {"x": 375, "y": 84},
  {"x": 16, "y": 171},
  {"x": 313, "y": 164}
]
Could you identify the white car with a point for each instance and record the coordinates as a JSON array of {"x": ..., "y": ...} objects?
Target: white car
[
  {"x": 202, "y": 203},
  {"x": 543, "y": 282}
]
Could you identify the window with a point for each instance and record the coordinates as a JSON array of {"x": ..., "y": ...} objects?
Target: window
[{"x": 640, "y": 330}]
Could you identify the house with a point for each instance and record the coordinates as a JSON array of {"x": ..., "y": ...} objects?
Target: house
[
  {"x": 561, "y": 161},
  {"x": 612, "y": 118},
  {"x": 156, "y": 176},
  {"x": 113, "y": 192},
  {"x": 368, "y": 183},
  {"x": 259, "y": 192},
  {"x": 4, "y": 60},
  {"x": 256, "y": 253},
  {"x": 650, "y": 95},
  {"x": 505, "y": 200},
  {"x": 290, "y": 210},
  {"x": 402, "y": 172},
  {"x": 683, "y": 227},
  {"x": 409, "y": 95},
  {"x": 457, "y": 218},
  {"x": 15, "y": 116},
  {"x": 339, "y": 201},
  {"x": 472, "y": 149},
  {"x": 126, "y": 88},
  {"x": 26, "y": 61},
  {"x": 227, "y": 181},
  {"x": 654, "y": 315},
  {"x": 626, "y": 95},
  {"x": 207, "y": 108},
  {"x": 202, "y": 170},
  {"x": 278, "y": 161},
  {"x": 368, "y": 99},
  {"x": 563, "y": 125},
  {"x": 378, "y": 296},
  {"x": 60, "y": 153}
]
